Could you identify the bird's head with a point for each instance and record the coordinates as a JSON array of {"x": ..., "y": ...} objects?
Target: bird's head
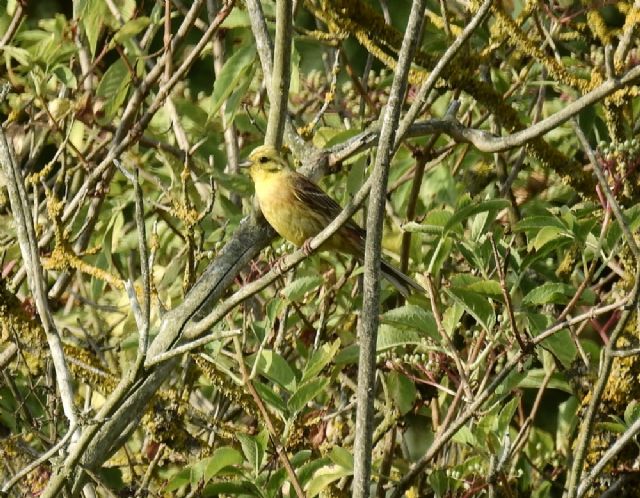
[{"x": 265, "y": 160}]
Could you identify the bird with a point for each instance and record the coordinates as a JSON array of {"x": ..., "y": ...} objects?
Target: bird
[{"x": 298, "y": 209}]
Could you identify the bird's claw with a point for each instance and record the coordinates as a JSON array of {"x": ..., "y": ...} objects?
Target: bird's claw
[{"x": 306, "y": 247}]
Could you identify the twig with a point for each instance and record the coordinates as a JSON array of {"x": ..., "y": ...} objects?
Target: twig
[
  {"x": 28, "y": 242},
  {"x": 464, "y": 382},
  {"x": 41, "y": 459},
  {"x": 523, "y": 342},
  {"x": 190, "y": 346},
  {"x": 13, "y": 26},
  {"x": 626, "y": 437}
]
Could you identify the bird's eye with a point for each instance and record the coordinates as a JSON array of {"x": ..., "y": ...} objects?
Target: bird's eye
[{"x": 264, "y": 159}]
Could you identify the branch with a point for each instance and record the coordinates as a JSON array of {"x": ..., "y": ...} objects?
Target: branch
[
  {"x": 28, "y": 242},
  {"x": 369, "y": 320},
  {"x": 281, "y": 75}
]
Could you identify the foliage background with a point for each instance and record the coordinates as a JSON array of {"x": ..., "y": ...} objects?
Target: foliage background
[{"x": 513, "y": 242}]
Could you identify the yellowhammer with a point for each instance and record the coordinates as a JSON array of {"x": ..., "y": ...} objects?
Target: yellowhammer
[{"x": 298, "y": 210}]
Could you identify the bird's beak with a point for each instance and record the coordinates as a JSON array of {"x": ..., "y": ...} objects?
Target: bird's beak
[{"x": 245, "y": 164}]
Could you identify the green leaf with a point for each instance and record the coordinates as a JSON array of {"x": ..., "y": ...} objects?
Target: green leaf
[
  {"x": 438, "y": 255},
  {"x": 253, "y": 450},
  {"x": 451, "y": 318},
  {"x": 390, "y": 337},
  {"x": 545, "y": 235},
  {"x": 342, "y": 457},
  {"x": 490, "y": 288},
  {"x": 550, "y": 292},
  {"x": 65, "y": 75},
  {"x": 182, "y": 478},
  {"x": 535, "y": 223},
  {"x": 275, "y": 368},
  {"x": 349, "y": 354},
  {"x": 130, "y": 29},
  {"x": 296, "y": 290},
  {"x": 305, "y": 393},
  {"x": 20, "y": 54},
  {"x": 235, "y": 99},
  {"x": 632, "y": 412},
  {"x": 534, "y": 378},
  {"x": 324, "y": 477},
  {"x": 221, "y": 458},
  {"x": 320, "y": 359},
  {"x": 271, "y": 398},
  {"x": 506, "y": 414},
  {"x": 231, "y": 488},
  {"x": 92, "y": 16},
  {"x": 238, "y": 18},
  {"x": 113, "y": 88},
  {"x": 476, "y": 305},
  {"x": 433, "y": 223},
  {"x": 465, "y": 436},
  {"x": 471, "y": 209},
  {"x": 415, "y": 317},
  {"x": 234, "y": 69},
  {"x": 403, "y": 391}
]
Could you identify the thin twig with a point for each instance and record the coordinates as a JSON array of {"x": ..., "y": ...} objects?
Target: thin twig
[{"x": 462, "y": 372}]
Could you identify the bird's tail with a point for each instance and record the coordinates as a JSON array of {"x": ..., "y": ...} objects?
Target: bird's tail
[{"x": 400, "y": 281}]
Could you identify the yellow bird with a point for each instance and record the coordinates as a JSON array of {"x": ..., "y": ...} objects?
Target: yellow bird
[{"x": 298, "y": 210}]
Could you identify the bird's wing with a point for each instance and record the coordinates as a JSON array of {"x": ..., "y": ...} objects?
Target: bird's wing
[{"x": 319, "y": 202}]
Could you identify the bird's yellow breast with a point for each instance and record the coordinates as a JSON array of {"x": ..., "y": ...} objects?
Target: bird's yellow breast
[{"x": 281, "y": 208}]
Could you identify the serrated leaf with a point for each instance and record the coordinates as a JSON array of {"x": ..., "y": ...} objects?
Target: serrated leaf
[
  {"x": 550, "y": 292},
  {"x": 390, "y": 337},
  {"x": 305, "y": 393},
  {"x": 480, "y": 285},
  {"x": 632, "y": 412},
  {"x": 451, "y": 318},
  {"x": 465, "y": 436},
  {"x": 471, "y": 209},
  {"x": 131, "y": 28},
  {"x": 275, "y": 368},
  {"x": 92, "y": 16},
  {"x": 545, "y": 235},
  {"x": 65, "y": 76},
  {"x": 296, "y": 290},
  {"x": 403, "y": 391},
  {"x": 342, "y": 457},
  {"x": 252, "y": 451},
  {"x": 271, "y": 398},
  {"x": 476, "y": 305},
  {"x": 324, "y": 477},
  {"x": 533, "y": 380},
  {"x": 412, "y": 316},
  {"x": 506, "y": 414},
  {"x": 231, "y": 488},
  {"x": 113, "y": 88},
  {"x": 538, "y": 222},
  {"x": 320, "y": 358},
  {"x": 232, "y": 72},
  {"x": 221, "y": 458},
  {"x": 20, "y": 54}
]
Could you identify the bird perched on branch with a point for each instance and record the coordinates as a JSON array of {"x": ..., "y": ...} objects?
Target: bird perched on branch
[{"x": 298, "y": 210}]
